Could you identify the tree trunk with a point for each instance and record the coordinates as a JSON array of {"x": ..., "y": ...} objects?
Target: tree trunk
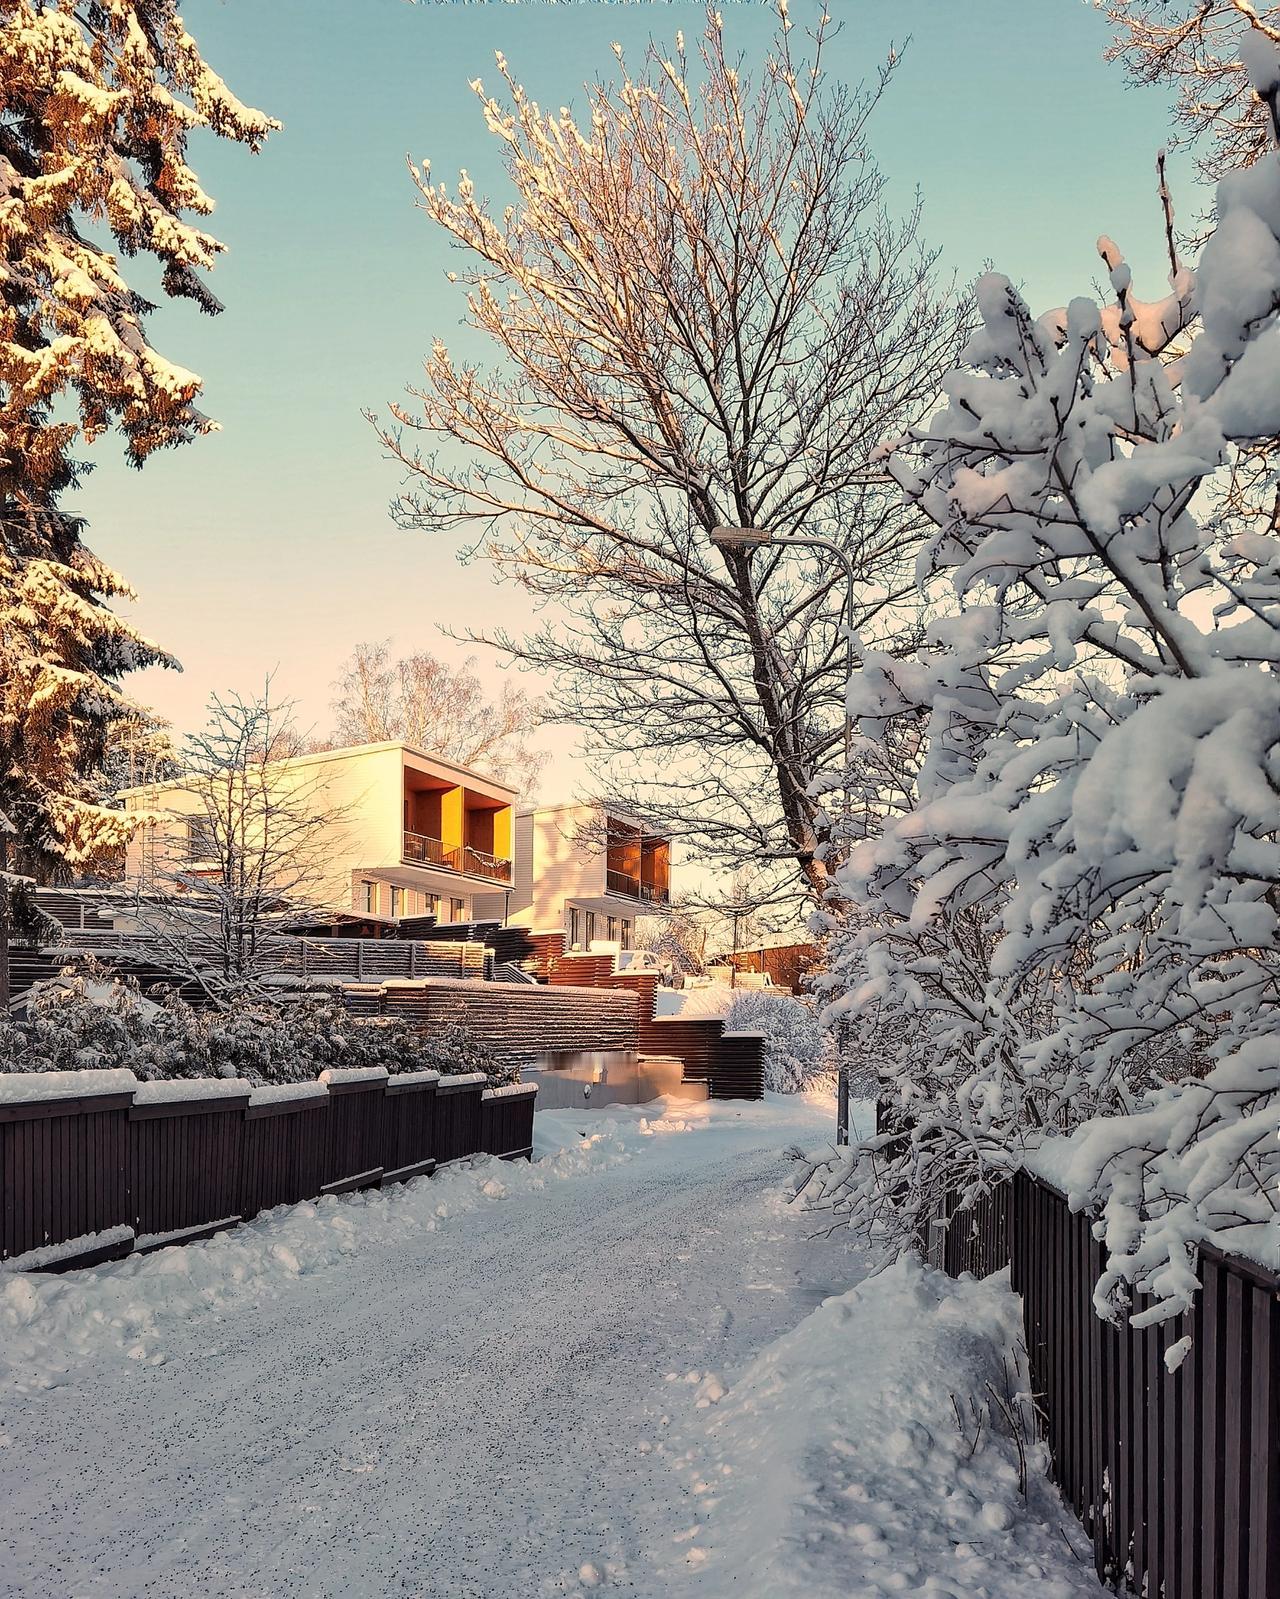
[{"x": 5, "y": 990}]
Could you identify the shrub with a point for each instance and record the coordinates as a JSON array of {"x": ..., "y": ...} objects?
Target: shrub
[
  {"x": 90, "y": 1019},
  {"x": 797, "y": 1048}
]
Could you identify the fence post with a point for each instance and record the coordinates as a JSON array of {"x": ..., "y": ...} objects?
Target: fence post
[{"x": 360, "y": 960}]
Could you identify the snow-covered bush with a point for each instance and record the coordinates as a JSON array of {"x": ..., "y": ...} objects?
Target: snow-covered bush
[
  {"x": 797, "y": 1047},
  {"x": 1072, "y": 908},
  {"x": 90, "y": 1019}
]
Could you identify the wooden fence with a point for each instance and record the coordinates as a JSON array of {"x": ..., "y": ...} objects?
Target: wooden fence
[
  {"x": 1175, "y": 1475},
  {"x": 95, "y": 1165}
]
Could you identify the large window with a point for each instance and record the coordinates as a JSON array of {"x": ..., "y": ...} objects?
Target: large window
[
  {"x": 457, "y": 910},
  {"x": 626, "y": 933},
  {"x": 369, "y": 898},
  {"x": 591, "y": 928},
  {"x": 613, "y": 929},
  {"x": 575, "y": 927},
  {"x": 397, "y": 902}
]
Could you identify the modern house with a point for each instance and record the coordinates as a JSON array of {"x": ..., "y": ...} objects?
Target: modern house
[
  {"x": 405, "y": 833},
  {"x": 584, "y": 872}
]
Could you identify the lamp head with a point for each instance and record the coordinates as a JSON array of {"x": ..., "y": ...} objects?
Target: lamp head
[{"x": 740, "y": 538}]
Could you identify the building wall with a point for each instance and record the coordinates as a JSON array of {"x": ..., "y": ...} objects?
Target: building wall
[
  {"x": 786, "y": 964},
  {"x": 362, "y": 793}
]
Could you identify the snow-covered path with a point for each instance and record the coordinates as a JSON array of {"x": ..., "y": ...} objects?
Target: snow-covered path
[{"x": 479, "y": 1405}]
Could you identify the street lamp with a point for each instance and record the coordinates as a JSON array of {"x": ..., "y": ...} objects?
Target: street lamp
[{"x": 742, "y": 541}]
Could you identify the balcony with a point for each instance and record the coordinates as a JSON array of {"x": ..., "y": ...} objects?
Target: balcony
[
  {"x": 421, "y": 850},
  {"x": 635, "y": 888}
]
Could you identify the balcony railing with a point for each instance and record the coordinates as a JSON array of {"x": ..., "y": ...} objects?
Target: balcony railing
[
  {"x": 636, "y": 888},
  {"x": 424, "y": 851},
  {"x": 479, "y": 864}
]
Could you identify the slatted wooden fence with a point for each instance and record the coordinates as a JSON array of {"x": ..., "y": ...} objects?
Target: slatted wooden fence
[
  {"x": 95, "y": 1164},
  {"x": 1175, "y": 1475}
]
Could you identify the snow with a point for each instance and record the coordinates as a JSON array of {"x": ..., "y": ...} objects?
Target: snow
[
  {"x": 509, "y": 1378},
  {"x": 53, "y": 1254},
  {"x": 18, "y": 1088},
  {"x": 177, "y": 1090},
  {"x": 871, "y": 1486},
  {"x": 287, "y": 1093},
  {"x": 511, "y": 1091},
  {"x": 456, "y": 1080},
  {"x": 707, "y": 1002},
  {"x": 340, "y": 1075}
]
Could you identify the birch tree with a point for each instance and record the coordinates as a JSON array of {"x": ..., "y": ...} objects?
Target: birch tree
[
  {"x": 421, "y": 700},
  {"x": 701, "y": 312}
]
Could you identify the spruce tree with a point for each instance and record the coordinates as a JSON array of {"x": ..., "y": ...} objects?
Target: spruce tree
[{"x": 96, "y": 104}]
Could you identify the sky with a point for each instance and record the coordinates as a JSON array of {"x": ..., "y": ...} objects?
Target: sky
[{"x": 268, "y": 547}]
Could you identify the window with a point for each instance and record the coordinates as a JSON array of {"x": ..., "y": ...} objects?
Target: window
[
  {"x": 397, "y": 902},
  {"x": 612, "y": 925},
  {"x": 369, "y": 898},
  {"x": 433, "y": 905},
  {"x": 201, "y": 845},
  {"x": 458, "y": 909},
  {"x": 575, "y": 927},
  {"x": 626, "y": 933},
  {"x": 591, "y": 928}
]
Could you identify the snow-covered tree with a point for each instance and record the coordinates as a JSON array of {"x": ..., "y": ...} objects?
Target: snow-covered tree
[
  {"x": 798, "y": 1048},
  {"x": 702, "y": 313},
  {"x": 677, "y": 940},
  {"x": 96, "y": 105},
  {"x": 1073, "y": 919}
]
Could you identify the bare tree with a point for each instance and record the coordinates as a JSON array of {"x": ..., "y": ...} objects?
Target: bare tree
[
  {"x": 1193, "y": 47},
  {"x": 420, "y": 700},
  {"x": 704, "y": 315},
  {"x": 239, "y": 857},
  {"x": 677, "y": 939}
]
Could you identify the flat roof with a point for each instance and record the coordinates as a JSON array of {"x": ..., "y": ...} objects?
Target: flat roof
[{"x": 344, "y": 752}]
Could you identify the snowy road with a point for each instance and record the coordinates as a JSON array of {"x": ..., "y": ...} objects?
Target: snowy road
[{"x": 485, "y": 1403}]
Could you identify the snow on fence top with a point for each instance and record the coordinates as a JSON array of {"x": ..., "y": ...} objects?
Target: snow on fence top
[
  {"x": 19, "y": 1088},
  {"x": 278, "y": 1093},
  {"x": 180, "y": 1089},
  {"x": 511, "y": 1091},
  {"x": 338, "y": 1075},
  {"x": 462, "y": 1080}
]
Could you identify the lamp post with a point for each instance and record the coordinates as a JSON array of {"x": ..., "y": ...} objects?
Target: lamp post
[{"x": 743, "y": 540}]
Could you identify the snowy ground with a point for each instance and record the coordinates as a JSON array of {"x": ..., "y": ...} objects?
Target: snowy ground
[{"x": 612, "y": 1370}]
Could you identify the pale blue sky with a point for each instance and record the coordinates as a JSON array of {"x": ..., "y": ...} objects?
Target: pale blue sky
[{"x": 269, "y": 545}]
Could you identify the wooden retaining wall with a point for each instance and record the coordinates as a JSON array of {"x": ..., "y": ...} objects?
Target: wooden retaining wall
[
  {"x": 731, "y": 1064},
  {"x": 517, "y": 1023},
  {"x": 1175, "y": 1475},
  {"x": 152, "y": 1163}
]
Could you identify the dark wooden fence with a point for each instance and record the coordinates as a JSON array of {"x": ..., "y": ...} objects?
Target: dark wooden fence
[
  {"x": 1175, "y": 1475},
  {"x": 96, "y": 1165}
]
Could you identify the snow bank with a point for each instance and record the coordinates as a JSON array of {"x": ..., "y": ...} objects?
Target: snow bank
[
  {"x": 871, "y": 1487},
  {"x": 710, "y": 1002},
  {"x": 53, "y": 1328}
]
